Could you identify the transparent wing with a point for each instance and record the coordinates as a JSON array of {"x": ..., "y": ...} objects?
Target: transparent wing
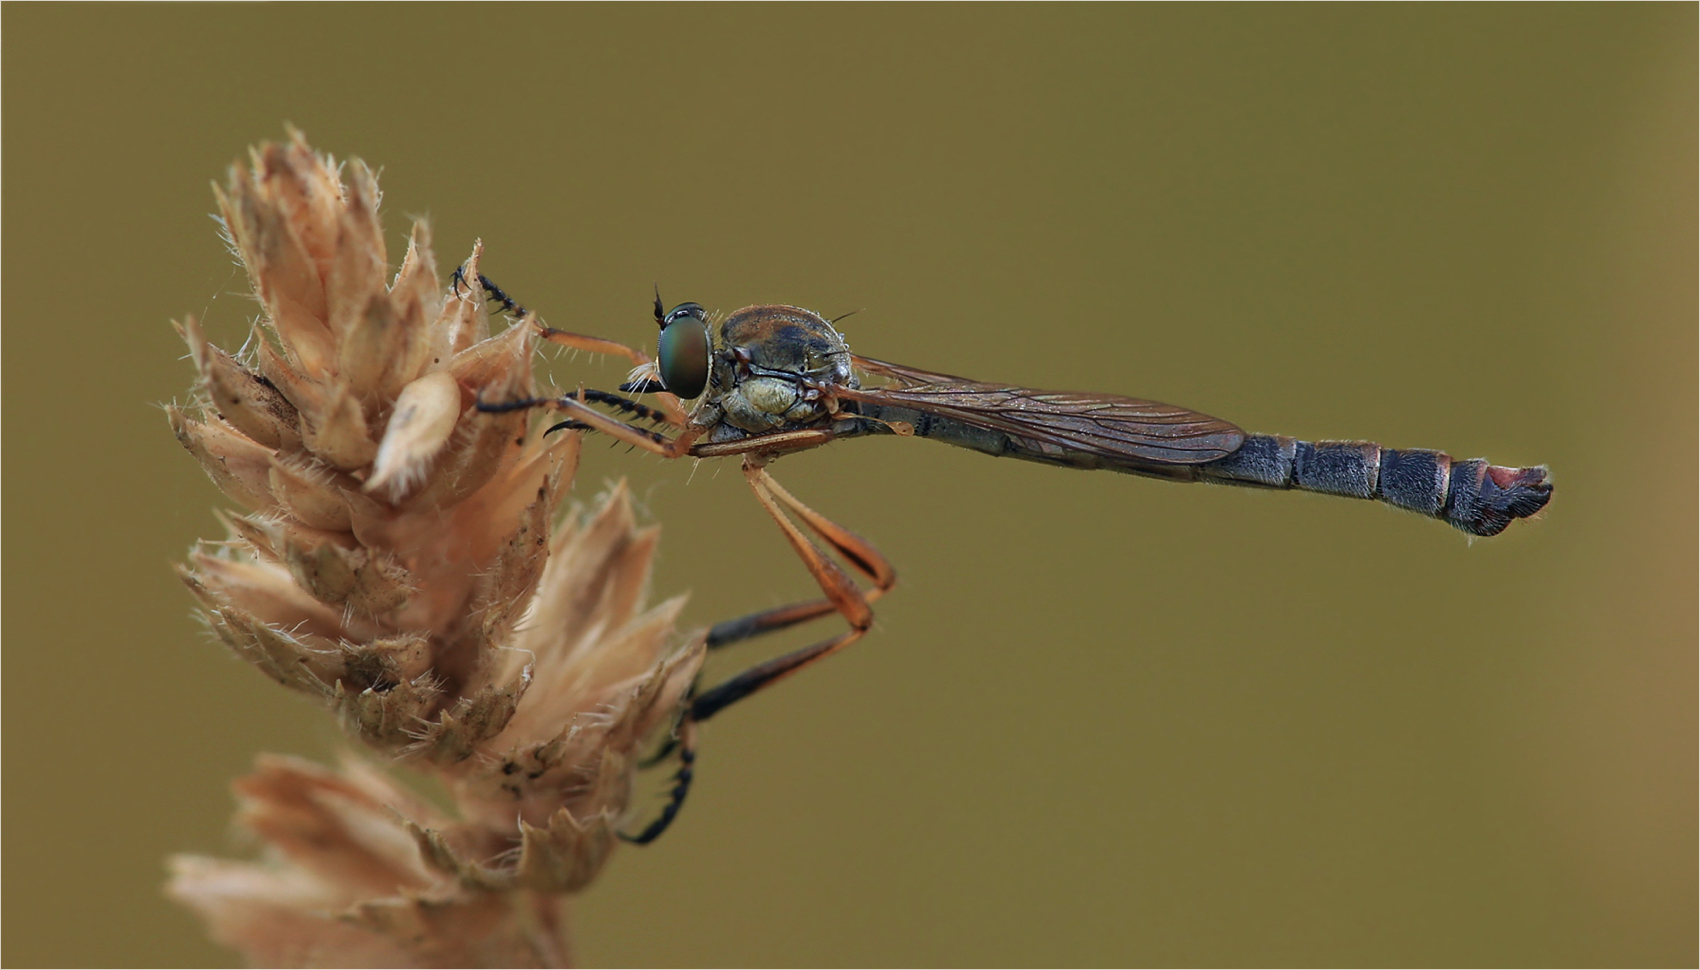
[
  {"x": 1104, "y": 426},
  {"x": 906, "y": 376}
]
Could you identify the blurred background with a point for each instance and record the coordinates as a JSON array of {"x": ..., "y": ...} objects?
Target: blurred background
[{"x": 1103, "y": 720}]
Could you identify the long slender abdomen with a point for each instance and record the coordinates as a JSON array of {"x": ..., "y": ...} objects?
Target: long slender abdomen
[{"x": 1475, "y": 496}]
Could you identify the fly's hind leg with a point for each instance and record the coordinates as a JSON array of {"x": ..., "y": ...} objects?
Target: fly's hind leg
[
  {"x": 684, "y": 742},
  {"x": 843, "y": 596},
  {"x": 855, "y": 550}
]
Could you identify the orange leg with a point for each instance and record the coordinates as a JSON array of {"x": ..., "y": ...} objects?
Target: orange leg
[
  {"x": 855, "y": 550},
  {"x": 843, "y": 596},
  {"x": 596, "y": 345}
]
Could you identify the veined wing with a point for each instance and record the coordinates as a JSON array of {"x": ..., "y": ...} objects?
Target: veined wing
[
  {"x": 906, "y": 376},
  {"x": 1106, "y": 427}
]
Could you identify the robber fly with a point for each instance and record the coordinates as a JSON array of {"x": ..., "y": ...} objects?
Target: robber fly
[{"x": 778, "y": 379}]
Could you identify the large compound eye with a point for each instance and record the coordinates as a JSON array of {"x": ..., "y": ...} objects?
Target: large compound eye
[{"x": 684, "y": 351}]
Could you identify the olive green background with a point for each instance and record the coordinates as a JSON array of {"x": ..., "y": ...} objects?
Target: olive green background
[{"x": 1102, "y": 720}]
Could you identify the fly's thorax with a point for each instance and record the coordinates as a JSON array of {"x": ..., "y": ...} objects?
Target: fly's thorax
[
  {"x": 787, "y": 340},
  {"x": 770, "y": 363}
]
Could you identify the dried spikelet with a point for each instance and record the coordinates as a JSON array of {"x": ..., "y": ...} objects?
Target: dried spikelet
[{"x": 396, "y": 560}]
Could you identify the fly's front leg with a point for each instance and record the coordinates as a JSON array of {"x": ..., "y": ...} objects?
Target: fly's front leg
[
  {"x": 597, "y": 345},
  {"x": 577, "y": 341},
  {"x": 625, "y": 405},
  {"x": 491, "y": 289},
  {"x": 581, "y": 416}
]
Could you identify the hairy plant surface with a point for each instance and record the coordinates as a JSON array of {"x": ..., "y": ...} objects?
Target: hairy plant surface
[{"x": 395, "y": 557}]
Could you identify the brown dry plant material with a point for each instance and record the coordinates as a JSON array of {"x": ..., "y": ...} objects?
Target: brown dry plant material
[{"x": 395, "y": 558}]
